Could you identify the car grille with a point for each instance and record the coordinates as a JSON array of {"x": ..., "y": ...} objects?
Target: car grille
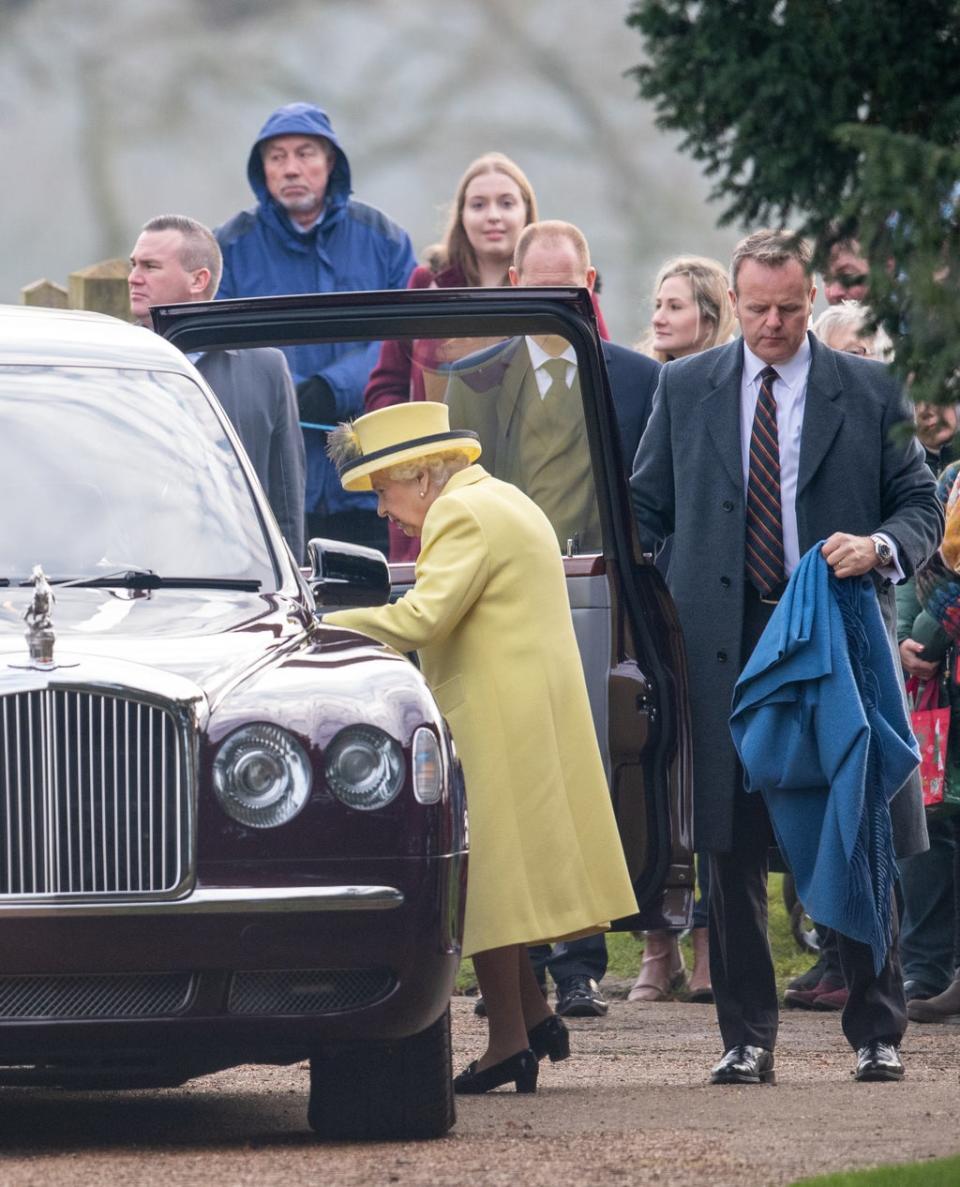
[
  {"x": 139, "y": 995},
  {"x": 307, "y": 991},
  {"x": 94, "y": 795}
]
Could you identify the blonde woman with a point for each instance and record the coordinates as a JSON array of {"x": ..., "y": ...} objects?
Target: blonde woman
[
  {"x": 489, "y": 616},
  {"x": 692, "y": 310}
]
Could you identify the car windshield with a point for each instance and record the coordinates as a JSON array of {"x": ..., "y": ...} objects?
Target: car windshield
[{"x": 103, "y": 470}]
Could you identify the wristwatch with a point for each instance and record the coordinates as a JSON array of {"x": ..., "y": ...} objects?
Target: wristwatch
[{"x": 884, "y": 551}]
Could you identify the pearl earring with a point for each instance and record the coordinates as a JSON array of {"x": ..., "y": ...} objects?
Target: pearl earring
[{"x": 423, "y": 494}]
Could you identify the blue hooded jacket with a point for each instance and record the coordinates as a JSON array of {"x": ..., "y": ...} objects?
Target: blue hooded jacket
[{"x": 352, "y": 247}]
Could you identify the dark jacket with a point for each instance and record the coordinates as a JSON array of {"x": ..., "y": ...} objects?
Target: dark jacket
[
  {"x": 256, "y": 392},
  {"x": 857, "y": 474},
  {"x": 352, "y": 247}
]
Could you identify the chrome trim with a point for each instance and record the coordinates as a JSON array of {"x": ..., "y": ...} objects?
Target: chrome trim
[
  {"x": 41, "y": 829},
  {"x": 220, "y": 900},
  {"x": 105, "y": 676}
]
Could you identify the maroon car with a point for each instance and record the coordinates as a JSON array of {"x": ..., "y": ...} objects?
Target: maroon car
[{"x": 228, "y": 833}]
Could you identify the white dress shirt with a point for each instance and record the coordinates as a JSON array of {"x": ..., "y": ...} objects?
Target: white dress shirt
[{"x": 538, "y": 356}]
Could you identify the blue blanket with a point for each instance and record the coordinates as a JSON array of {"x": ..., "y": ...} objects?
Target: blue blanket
[{"x": 821, "y": 727}]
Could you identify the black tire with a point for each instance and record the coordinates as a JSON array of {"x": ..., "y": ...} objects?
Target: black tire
[{"x": 376, "y": 1091}]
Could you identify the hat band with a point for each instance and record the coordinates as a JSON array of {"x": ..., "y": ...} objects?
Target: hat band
[{"x": 413, "y": 443}]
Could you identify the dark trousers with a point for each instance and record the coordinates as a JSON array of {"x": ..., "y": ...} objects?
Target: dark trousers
[
  {"x": 930, "y": 883},
  {"x": 586, "y": 957},
  {"x": 741, "y": 965}
]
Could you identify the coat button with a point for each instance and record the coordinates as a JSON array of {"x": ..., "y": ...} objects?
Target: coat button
[
  {"x": 727, "y": 505},
  {"x": 725, "y": 582},
  {"x": 721, "y": 657}
]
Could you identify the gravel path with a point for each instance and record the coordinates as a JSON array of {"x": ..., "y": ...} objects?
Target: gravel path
[{"x": 631, "y": 1107}]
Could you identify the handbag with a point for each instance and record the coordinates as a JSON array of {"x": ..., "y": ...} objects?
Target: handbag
[{"x": 930, "y": 721}]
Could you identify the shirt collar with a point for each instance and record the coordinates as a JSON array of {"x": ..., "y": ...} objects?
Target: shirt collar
[
  {"x": 791, "y": 372},
  {"x": 538, "y": 356}
]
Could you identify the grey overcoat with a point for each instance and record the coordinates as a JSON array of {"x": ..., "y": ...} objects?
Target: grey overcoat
[
  {"x": 855, "y": 476},
  {"x": 257, "y": 394}
]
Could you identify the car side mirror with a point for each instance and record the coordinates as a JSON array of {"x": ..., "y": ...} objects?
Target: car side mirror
[{"x": 344, "y": 574}]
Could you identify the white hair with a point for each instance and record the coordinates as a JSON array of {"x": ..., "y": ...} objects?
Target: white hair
[
  {"x": 851, "y": 315},
  {"x": 440, "y": 467}
]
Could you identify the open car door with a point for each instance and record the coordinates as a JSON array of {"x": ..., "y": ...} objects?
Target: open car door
[{"x": 474, "y": 349}]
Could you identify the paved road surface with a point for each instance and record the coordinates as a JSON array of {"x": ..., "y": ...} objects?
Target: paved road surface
[{"x": 632, "y": 1108}]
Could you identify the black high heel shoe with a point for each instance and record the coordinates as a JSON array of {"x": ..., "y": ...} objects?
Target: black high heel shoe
[
  {"x": 522, "y": 1068},
  {"x": 550, "y": 1037}
]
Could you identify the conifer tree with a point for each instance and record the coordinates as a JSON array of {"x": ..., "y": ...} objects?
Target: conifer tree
[{"x": 825, "y": 114}]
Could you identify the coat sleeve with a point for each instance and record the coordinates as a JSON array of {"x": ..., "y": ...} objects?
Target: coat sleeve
[
  {"x": 390, "y": 379},
  {"x": 652, "y": 481},
  {"x": 287, "y": 473},
  {"x": 402, "y": 263},
  {"x": 452, "y": 571},
  {"x": 912, "y": 511}
]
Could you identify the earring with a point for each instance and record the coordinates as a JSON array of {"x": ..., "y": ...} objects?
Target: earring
[{"x": 423, "y": 494}]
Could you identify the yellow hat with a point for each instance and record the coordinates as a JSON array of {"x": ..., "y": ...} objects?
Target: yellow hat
[{"x": 397, "y": 434}]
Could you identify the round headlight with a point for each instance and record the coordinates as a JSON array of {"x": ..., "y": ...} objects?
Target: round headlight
[
  {"x": 262, "y": 776},
  {"x": 364, "y": 767}
]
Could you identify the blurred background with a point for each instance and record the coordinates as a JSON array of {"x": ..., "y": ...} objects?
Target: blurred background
[{"x": 112, "y": 111}]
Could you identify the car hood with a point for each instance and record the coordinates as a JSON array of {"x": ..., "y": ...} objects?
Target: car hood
[{"x": 209, "y": 637}]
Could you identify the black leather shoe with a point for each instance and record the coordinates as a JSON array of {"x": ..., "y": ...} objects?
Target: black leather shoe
[
  {"x": 878, "y": 1061},
  {"x": 521, "y": 1068},
  {"x": 745, "y": 1065},
  {"x": 580, "y": 997},
  {"x": 550, "y": 1037}
]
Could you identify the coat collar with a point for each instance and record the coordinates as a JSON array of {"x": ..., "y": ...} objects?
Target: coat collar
[
  {"x": 463, "y": 478},
  {"x": 720, "y": 408},
  {"x": 822, "y": 415}
]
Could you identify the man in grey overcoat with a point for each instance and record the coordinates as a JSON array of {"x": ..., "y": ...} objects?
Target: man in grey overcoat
[
  {"x": 178, "y": 259},
  {"x": 843, "y": 476}
]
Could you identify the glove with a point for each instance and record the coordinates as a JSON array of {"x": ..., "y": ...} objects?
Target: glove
[{"x": 316, "y": 401}]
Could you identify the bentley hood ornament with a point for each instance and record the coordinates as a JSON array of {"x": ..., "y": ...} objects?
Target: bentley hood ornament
[{"x": 40, "y": 636}]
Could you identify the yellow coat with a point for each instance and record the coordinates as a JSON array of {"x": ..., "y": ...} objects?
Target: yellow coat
[{"x": 490, "y": 618}]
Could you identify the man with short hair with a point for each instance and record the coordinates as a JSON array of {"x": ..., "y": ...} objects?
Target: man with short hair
[
  {"x": 307, "y": 235},
  {"x": 846, "y": 276},
  {"x": 177, "y": 259},
  {"x": 826, "y": 424}
]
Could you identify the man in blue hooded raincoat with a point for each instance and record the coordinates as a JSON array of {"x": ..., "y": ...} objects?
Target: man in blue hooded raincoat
[{"x": 307, "y": 235}]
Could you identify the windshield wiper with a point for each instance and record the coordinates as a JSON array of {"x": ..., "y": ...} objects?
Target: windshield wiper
[{"x": 148, "y": 579}]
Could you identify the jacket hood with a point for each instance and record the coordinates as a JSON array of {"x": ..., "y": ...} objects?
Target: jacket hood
[{"x": 300, "y": 119}]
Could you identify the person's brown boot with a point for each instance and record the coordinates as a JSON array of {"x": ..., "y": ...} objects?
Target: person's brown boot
[
  {"x": 662, "y": 971},
  {"x": 700, "y": 989},
  {"x": 945, "y": 1007}
]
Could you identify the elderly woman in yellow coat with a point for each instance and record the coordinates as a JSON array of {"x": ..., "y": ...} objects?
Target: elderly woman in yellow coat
[{"x": 489, "y": 616}]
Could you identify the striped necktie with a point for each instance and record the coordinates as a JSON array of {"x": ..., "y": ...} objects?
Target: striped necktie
[{"x": 764, "y": 517}]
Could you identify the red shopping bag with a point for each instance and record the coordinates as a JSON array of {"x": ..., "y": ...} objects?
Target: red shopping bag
[{"x": 931, "y": 725}]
